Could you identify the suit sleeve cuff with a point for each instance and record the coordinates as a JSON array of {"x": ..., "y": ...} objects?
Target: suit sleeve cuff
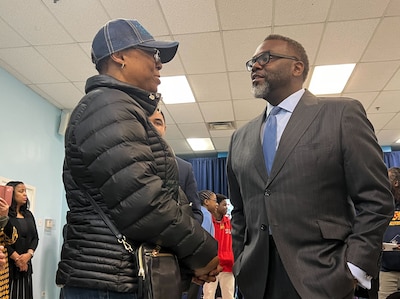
[{"x": 360, "y": 275}]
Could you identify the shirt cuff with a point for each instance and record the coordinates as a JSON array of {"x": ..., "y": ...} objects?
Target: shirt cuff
[{"x": 363, "y": 279}]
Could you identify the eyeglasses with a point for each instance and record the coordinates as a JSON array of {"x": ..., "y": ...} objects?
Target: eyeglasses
[
  {"x": 264, "y": 58},
  {"x": 154, "y": 52}
]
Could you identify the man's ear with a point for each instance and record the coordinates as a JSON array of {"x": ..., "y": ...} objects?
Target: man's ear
[{"x": 298, "y": 68}]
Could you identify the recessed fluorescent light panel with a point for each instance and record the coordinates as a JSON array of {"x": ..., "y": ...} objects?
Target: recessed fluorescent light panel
[
  {"x": 200, "y": 144},
  {"x": 175, "y": 90},
  {"x": 330, "y": 79}
]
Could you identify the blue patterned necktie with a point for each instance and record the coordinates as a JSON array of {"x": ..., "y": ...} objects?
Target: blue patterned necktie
[{"x": 269, "y": 141}]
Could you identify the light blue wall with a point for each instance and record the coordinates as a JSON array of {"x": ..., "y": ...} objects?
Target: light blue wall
[{"x": 31, "y": 150}]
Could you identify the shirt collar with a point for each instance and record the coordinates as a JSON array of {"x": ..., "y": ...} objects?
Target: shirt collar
[{"x": 289, "y": 103}]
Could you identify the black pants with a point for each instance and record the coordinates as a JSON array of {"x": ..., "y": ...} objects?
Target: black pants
[{"x": 279, "y": 285}]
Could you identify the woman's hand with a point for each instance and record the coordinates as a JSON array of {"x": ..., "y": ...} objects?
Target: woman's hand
[
  {"x": 3, "y": 207},
  {"x": 22, "y": 261}
]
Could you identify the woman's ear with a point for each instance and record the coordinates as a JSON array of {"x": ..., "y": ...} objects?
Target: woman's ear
[{"x": 118, "y": 57}]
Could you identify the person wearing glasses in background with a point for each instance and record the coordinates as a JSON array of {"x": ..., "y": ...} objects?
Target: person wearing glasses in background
[
  {"x": 116, "y": 155},
  {"x": 311, "y": 219}
]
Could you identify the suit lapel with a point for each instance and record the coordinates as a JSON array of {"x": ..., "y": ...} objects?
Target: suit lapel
[{"x": 303, "y": 115}]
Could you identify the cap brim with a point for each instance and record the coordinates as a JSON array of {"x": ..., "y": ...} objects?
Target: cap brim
[{"x": 167, "y": 49}]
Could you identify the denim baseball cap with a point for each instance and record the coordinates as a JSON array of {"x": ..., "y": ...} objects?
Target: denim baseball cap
[{"x": 121, "y": 34}]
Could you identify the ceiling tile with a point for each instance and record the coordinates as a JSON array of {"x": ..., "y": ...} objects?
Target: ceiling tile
[
  {"x": 202, "y": 53},
  {"x": 185, "y": 113},
  {"x": 77, "y": 69},
  {"x": 393, "y": 121},
  {"x": 80, "y": 86},
  {"x": 180, "y": 146},
  {"x": 64, "y": 93},
  {"x": 357, "y": 9},
  {"x": 236, "y": 14},
  {"x": 379, "y": 120},
  {"x": 147, "y": 12},
  {"x": 221, "y": 144},
  {"x": 217, "y": 111},
  {"x": 383, "y": 45},
  {"x": 28, "y": 61},
  {"x": 393, "y": 8},
  {"x": 240, "y": 83},
  {"x": 355, "y": 35},
  {"x": 248, "y": 109},
  {"x": 210, "y": 87},
  {"x": 13, "y": 38},
  {"x": 173, "y": 132},
  {"x": 77, "y": 14},
  {"x": 289, "y": 12},
  {"x": 364, "y": 76},
  {"x": 191, "y": 17},
  {"x": 388, "y": 137},
  {"x": 221, "y": 133},
  {"x": 394, "y": 83},
  {"x": 309, "y": 35},
  {"x": 42, "y": 30},
  {"x": 14, "y": 72},
  {"x": 241, "y": 123},
  {"x": 366, "y": 98},
  {"x": 387, "y": 101},
  {"x": 194, "y": 130}
]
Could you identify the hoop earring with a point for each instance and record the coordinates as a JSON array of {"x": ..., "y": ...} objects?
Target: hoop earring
[{"x": 122, "y": 65}]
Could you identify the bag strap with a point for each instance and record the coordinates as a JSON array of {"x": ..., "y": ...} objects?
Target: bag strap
[{"x": 120, "y": 237}]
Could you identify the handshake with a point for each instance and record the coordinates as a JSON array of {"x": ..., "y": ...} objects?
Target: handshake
[{"x": 208, "y": 273}]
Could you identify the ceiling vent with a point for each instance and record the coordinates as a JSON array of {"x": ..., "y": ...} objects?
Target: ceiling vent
[{"x": 221, "y": 125}]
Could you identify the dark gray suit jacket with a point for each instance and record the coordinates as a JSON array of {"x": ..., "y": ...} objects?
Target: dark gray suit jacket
[
  {"x": 327, "y": 199},
  {"x": 188, "y": 184}
]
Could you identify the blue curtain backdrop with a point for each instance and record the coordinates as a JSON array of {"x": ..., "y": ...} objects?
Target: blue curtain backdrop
[
  {"x": 392, "y": 159},
  {"x": 210, "y": 174}
]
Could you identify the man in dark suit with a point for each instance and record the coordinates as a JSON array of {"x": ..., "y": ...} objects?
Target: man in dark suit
[
  {"x": 312, "y": 227},
  {"x": 188, "y": 184},
  {"x": 187, "y": 180}
]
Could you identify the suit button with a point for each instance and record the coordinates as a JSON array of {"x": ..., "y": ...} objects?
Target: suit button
[
  {"x": 267, "y": 192},
  {"x": 263, "y": 227}
]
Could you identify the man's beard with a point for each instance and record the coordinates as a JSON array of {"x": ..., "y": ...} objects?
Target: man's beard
[{"x": 261, "y": 90}]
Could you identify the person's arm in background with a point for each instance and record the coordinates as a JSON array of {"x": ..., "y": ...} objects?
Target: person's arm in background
[
  {"x": 188, "y": 184},
  {"x": 9, "y": 233},
  {"x": 3, "y": 222}
]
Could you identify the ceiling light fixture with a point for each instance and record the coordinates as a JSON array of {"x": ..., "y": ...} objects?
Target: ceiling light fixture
[
  {"x": 176, "y": 90},
  {"x": 200, "y": 144},
  {"x": 330, "y": 79}
]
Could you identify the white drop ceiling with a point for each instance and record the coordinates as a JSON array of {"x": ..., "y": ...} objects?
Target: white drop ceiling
[{"x": 46, "y": 45}]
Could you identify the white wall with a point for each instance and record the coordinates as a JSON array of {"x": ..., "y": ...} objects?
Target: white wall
[{"x": 31, "y": 150}]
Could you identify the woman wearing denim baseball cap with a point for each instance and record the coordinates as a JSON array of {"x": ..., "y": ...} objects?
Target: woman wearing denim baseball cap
[{"x": 113, "y": 152}]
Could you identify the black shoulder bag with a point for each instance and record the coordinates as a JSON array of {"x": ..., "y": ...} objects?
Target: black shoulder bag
[{"x": 159, "y": 272}]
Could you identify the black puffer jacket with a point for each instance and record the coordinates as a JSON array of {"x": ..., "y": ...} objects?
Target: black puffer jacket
[{"x": 114, "y": 152}]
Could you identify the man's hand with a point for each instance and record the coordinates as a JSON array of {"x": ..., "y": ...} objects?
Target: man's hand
[{"x": 208, "y": 273}]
